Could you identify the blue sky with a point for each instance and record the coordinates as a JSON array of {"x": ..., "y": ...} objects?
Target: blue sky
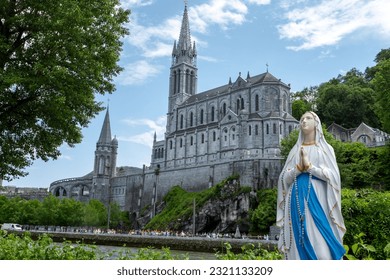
[{"x": 303, "y": 42}]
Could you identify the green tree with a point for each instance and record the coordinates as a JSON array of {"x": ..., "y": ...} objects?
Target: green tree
[
  {"x": 304, "y": 101},
  {"x": 95, "y": 214},
  {"x": 54, "y": 57},
  {"x": 381, "y": 83},
  {"x": 49, "y": 211},
  {"x": 347, "y": 100},
  {"x": 70, "y": 212}
]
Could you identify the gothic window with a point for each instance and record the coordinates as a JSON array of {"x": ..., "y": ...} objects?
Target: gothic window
[
  {"x": 178, "y": 80},
  {"x": 257, "y": 102},
  {"x": 256, "y": 129},
  {"x": 181, "y": 142},
  {"x": 202, "y": 138},
  {"x": 267, "y": 128},
  {"x": 250, "y": 130},
  {"x": 280, "y": 128},
  {"x": 274, "y": 128},
  {"x": 191, "y": 119},
  {"x": 192, "y": 82},
  {"x": 174, "y": 82},
  {"x": 214, "y": 136},
  {"x": 224, "y": 108},
  {"x": 170, "y": 144},
  {"x": 201, "y": 116},
  {"x": 192, "y": 141},
  {"x": 181, "y": 121},
  {"x": 188, "y": 81},
  {"x": 242, "y": 104},
  {"x": 212, "y": 113},
  {"x": 155, "y": 153},
  {"x": 101, "y": 165}
]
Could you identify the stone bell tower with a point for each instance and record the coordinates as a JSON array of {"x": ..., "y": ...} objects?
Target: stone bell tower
[{"x": 105, "y": 162}]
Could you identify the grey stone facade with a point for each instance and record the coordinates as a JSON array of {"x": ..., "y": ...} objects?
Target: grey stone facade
[
  {"x": 369, "y": 136},
  {"x": 232, "y": 129}
]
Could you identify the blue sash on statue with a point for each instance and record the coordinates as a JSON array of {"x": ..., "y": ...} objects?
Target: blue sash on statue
[{"x": 298, "y": 196}]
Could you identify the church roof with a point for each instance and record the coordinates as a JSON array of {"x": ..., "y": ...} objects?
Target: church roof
[
  {"x": 265, "y": 78},
  {"x": 105, "y": 134}
]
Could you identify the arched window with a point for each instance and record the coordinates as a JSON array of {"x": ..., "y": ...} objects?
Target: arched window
[
  {"x": 101, "y": 165},
  {"x": 174, "y": 82},
  {"x": 181, "y": 142},
  {"x": 289, "y": 128},
  {"x": 212, "y": 113},
  {"x": 170, "y": 144},
  {"x": 178, "y": 80},
  {"x": 192, "y": 82},
  {"x": 192, "y": 141},
  {"x": 191, "y": 119},
  {"x": 181, "y": 121},
  {"x": 256, "y": 129},
  {"x": 280, "y": 129},
  {"x": 214, "y": 136},
  {"x": 257, "y": 102},
  {"x": 201, "y": 116},
  {"x": 155, "y": 153},
  {"x": 188, "y": 81},
  {"x": 274, "y": 128},
  {"x": 250, "y": 130},
  {"x": 267, "y": 128},
  {"x": 242, "y": 104},
  {"x": 224, "y": 108},
  {"x": 202, "y": 138}
]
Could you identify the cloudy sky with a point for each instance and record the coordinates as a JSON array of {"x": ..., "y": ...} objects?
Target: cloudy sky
[{"x": 303, "y": 42}]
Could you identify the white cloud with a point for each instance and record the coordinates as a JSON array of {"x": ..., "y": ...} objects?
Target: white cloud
[
  {"x": 128, "y": 4},
  {"x": 259, "y": 2},
  {"x": 151, "y": 126},
  {"x": 65, "y": 157},
  {"x": 137, "y": 73},
  {"x": 330, "y": 21}
]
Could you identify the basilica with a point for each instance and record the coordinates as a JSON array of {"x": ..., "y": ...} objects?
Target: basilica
[{"x": 235, "y": 128}]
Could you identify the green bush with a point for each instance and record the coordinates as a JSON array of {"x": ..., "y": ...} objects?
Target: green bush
[
  {"x": 367, "y": 211},
  {"x": 264, "y": 214},
  {"x": 248, "y": 252}
]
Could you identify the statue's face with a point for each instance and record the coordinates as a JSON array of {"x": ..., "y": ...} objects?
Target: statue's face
[{"x": 308, "y": 123}]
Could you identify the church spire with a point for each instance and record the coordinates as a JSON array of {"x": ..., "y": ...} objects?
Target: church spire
[
  {"x": 105, "y": 134},
  {"x": 184, "y": 50},
  {"x": 185, "y": 36}
]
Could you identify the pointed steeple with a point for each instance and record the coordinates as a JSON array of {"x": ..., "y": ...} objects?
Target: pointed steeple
[
  {"x": 105, "y": 134},
  {"x": 184, "y": 50},
  {"x": 185, "y": 36}
]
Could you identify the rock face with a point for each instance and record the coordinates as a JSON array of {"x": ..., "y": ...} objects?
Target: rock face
[
  {"x": 224, "y": 213},
  {"x": 223, "y": 216}
]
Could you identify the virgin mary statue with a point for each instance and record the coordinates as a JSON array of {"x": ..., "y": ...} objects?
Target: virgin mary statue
[{"x": 309, "y": 198}]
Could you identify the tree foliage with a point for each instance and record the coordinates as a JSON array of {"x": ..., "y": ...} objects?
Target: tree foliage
[
  {"x": 347, "y": 100},
  {"x": 54, "y": 57},
  {"x": 381, "y": 83},
  {"x": 304, "y": 101},
  {"x": 55, "y": 212}
]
